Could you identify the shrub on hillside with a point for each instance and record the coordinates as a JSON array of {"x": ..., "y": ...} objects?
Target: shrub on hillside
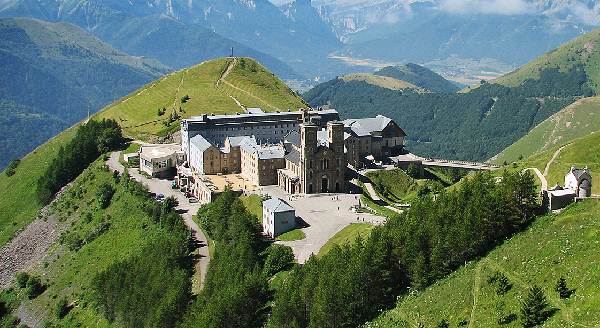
[
  {"x": 22, "y": 278},
  {"x": 12, "y": 167},
  {"x": 534, "y": 309},
  {"x": 34, "y": 287},
  {"x": 105, "y": 194},
  {"x": 277, "y": 258},
  {"x": 62, "y": 308}
]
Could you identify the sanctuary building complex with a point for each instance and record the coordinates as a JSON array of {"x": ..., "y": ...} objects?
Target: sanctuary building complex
[{"x": 305, "y": 151}]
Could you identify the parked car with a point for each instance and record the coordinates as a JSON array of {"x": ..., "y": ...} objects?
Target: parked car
[
  {"x": 193, "y": 200},
  {"x": 160, "y": 197}
]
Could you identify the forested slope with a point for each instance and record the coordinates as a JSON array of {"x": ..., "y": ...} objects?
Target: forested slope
[
  {"x": 469, "y": 126},
  {"x": 563, "y": 245},
  {"x": 52, "y": 75}
]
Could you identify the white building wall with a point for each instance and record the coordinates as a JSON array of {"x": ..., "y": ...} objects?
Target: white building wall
[{"x": 283, "y": 222}]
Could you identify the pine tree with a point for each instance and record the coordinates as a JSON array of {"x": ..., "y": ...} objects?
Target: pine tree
[
  {"x": 534, "y": 308},
  {"x": 561, "y": 288}
]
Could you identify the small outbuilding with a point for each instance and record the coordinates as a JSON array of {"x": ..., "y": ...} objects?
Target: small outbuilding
[
  {"x": 579, "y": 181},
  {"x": 278, "y": 217},
  {"x": 557, "y": 198},
  {"x": 160, "y": 161}
]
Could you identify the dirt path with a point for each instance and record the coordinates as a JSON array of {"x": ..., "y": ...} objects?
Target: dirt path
[
  {"x": 177, "y": 91},
  {"x": 554, "y": 157},
  {"x": 164, "y": 187},
  {"x": 475, "y": 292},
  {"x": 223, "y": 80},
  {"x": 540, "y": 176},
  {"x": 227, "y": 71}
]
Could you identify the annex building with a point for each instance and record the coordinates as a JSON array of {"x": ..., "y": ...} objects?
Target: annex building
[{"x": 305, "y": 151}]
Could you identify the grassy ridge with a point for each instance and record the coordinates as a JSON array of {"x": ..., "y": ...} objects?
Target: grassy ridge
[
  {"x": 382, "y": 81},
  {"x": 556, "y": 245},
  {"x": 248, "y": 82},
  {"x": 585, "y": 50},
  {"x": 575, "y": 121}
]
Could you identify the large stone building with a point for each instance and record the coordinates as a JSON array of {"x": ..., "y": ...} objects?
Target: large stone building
[
  {"x": 314, "y": 162},
  {"x": 305, "y": 151}
]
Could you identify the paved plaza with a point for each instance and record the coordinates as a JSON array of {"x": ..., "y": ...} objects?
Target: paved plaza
[{"x": 325, "y": 215}]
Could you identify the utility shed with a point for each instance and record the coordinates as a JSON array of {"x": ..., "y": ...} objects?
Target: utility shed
[
  {"x": 278, "y": 217},
  {"x": 557, "y": 198}
]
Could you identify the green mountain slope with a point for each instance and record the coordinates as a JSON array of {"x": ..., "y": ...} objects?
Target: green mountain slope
[
  {"x": 575, "y": 121},
  {"x": 419, "y": 76},
  {"x": 564, "y": 245},
  {"x": 476, "y": 124},
  {"x": 218, "y": 86},
  {"x": 52, "y": 75},
  {"x": 584, "y": 51},
  {"x": 249, "y": 82},
  {"x": 557, "y": 161}
]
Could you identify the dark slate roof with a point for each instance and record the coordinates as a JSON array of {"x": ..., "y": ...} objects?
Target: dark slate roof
[
  {"x": 293, "y": 138},
  {"x": 585, "y": 184},
  {"x": 293, "y": 155}
]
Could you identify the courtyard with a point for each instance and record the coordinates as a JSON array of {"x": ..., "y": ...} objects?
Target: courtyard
[{"x": 324, "y": 215}]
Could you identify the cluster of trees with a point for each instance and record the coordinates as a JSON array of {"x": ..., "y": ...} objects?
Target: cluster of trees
[
  {"x": 11, "y": 169},
  {"x": 469, "y": 126},
  {"x": 91, "y": 140},
  {"x": 235, "y": 292},
  {"x": 152, "y": 288},
  {"x": 353, "y": 283}
]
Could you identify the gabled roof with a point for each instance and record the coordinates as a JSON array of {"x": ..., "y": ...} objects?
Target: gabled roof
[
  {"x": 578, "y": 173},
  {"x": 293, "y": 138},
  {"x": 365, "y": 126},
  {"x": 277, "y": 205},
  {"x": 263, "y": 152},
  {"x": 199, "y": 142},
  {"x": 293, "y": 155},
  {"x": 237, "y": 141}
]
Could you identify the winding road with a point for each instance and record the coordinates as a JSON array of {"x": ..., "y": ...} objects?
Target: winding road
[{"x": 164, "y": 187}]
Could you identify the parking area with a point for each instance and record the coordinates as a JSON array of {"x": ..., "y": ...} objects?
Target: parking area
[{"x": 325, "y": 215}]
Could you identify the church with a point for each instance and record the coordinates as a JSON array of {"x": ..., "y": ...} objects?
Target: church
[{"x": 305, "y": 151}]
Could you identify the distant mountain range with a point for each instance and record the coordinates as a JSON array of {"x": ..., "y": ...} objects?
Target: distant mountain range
[
  {"x": 52, "y": 75},
  {"x": 305, "y": 40},
  {"x": 181, "y": 33}
]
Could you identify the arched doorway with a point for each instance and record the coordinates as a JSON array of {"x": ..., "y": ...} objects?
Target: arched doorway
[{"x": 324, "y": 184}]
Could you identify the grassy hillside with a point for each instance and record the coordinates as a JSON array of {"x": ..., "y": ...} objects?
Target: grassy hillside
[
  {"x": 556, "y": 245},
  {"x": 52, "y": 75},
  {"x": 348, "y": 235},
  {"x": 419, "y": 76},
  {"x": 19, "y": 206},
  {"x": 382, "y": 81},
  {"x": 244, "y": 80},
  {"x": 584, "y": 50},
  {"x": 580, "y": 152},
  {"x": 93, "y": 239},
  {"x": 575, "y": 121}
]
